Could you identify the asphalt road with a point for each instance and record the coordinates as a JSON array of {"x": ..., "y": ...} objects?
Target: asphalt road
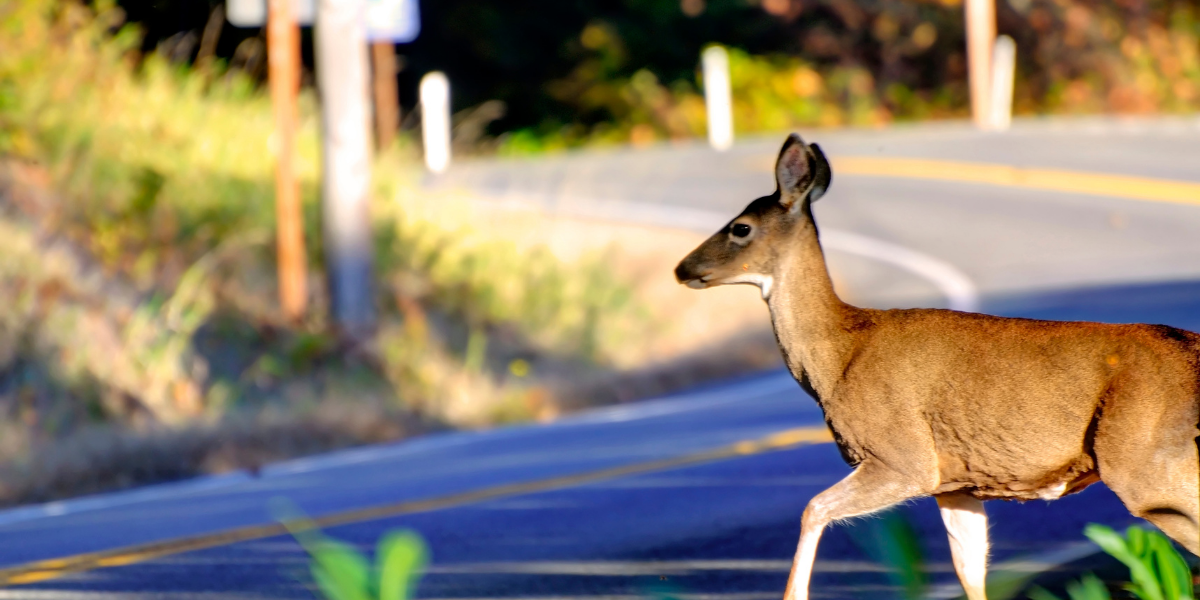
[
  {"x": 632, "y": 500},
  {"x": 1006, "y": 240}
]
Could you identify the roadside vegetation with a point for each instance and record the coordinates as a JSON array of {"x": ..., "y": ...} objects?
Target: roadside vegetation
[
  {"x": 341, "y": 572},
  {"x": 1156, "y": 569},
  {"x": 140, "y": 339}
]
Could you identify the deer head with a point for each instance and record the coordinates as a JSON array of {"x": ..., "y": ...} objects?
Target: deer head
[{"x": 751, "y": 247}]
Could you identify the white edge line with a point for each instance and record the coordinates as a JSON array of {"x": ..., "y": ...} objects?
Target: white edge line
[
  {"x": 772, "y": 384},
  {"x": 1030, "y": 565},
  {"x": 119, "y": 498},
  {"x": 669, "y": 404},
  {"x": 959, "y": 290}
]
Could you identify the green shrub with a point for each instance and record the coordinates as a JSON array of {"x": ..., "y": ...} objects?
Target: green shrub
[
  {"x": 1157, "y": 569},
  {"x": 343, "y": 573},
  {"x": 891, "y": 540},
  {"x": 770, "y": 93}
]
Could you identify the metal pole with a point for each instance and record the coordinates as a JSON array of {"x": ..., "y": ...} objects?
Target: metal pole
[
  {"x": 283, "y": 51},
  {"x": 341, "y": 57},
  {"x": 981, "y": 34},
  {"x": 387, "y": 99},
  {"x": 718, "y": 98},
  {"x": 435, "y": 120}
]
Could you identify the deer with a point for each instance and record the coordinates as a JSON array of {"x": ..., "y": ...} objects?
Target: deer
[{"x": 960, "y": 406}]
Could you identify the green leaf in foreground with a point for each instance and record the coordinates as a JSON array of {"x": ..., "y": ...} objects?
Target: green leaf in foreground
[
  {"x": 343, "y": 573},
  {"x": 1088, "y": 588},
  {"x": 891, "y": 540},
  {"x": 1156, "y": 568},
  {"x": 401, "y": 559}
]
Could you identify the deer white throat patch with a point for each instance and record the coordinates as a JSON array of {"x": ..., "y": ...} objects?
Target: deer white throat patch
[{"x": 764, "y": 282}]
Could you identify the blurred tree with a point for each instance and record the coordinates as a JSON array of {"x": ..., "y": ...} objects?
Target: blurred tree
[
  {"x": 549, "y": 60},
  {"x": 510, "y": 50}
]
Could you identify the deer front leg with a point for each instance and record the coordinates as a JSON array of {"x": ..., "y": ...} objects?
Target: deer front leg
[
  {"x": 966, "y": 523},
  {"x": 868, "y": 489}
]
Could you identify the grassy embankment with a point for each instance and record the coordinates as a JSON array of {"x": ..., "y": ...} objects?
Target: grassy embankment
[{"x": 139, "y": 335}]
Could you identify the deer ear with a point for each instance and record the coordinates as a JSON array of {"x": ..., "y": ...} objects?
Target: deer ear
[
  {"x": 822, "y": 174},
  {"x": 794, "y": 171}
]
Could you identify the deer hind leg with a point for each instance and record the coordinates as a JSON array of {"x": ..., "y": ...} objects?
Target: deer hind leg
[
  {"x": 1152, "y": 463},
  {"x": 1166, "y": 495},
  {"x": 868, "y": 489},
  {"x": 1181, "y": 518},
  {"x": 1177, "y": 526},
  {"x": 966, "y": 524}
]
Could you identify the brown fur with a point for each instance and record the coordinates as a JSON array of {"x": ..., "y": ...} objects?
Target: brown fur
[{"x": 939, "y": 402}]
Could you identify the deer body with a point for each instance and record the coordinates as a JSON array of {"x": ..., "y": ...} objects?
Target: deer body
[{"x": 963, "y": 407}]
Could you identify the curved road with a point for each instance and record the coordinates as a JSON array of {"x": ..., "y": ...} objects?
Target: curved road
[{"x": 697, "y": 495}]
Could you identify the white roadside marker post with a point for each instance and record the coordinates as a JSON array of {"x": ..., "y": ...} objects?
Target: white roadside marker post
[
  {"x": 1004, "y": 67},
  {"x": 718, "y": 97},
  {"x": 435, "y": 121}
]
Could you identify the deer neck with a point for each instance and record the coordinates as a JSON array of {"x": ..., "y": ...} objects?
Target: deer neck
[{"x": 807, "y": 315}]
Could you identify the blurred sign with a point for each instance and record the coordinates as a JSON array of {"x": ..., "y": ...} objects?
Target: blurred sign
[
  {"x": 253, "y": 13},
  {"x": 396, "y": 21},
  {"x": 387, "y": 20}
]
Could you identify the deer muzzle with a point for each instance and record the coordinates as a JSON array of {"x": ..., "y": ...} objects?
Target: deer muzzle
[{"x": 688, "y": 275}]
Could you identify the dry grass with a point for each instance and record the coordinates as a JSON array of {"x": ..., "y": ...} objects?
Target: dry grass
[
  {"x": 678, "y": 319},
  {"x": 687, "y": 337}
]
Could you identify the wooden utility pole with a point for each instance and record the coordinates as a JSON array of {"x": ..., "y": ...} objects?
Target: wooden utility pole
[
  {"x": 981, "y": 35},
  {"x": 283, "y": 51},
  {"x": 387, "y": 99}
]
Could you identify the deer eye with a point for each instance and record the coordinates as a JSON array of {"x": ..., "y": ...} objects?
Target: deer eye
[{"x": 741, "y": 230}]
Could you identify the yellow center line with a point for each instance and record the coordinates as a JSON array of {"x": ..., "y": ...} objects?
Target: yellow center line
[
  {"x": 1079, "y": 182},
  {"x": 58, "y": 567}
]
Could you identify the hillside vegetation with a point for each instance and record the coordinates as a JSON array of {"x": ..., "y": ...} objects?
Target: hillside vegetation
[
  {"x": 544, "y": 75},
  {"x": 139, "y": 336},
  {"x": 588, "y": 72}
]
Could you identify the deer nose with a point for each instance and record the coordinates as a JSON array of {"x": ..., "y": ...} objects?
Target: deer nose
[{"x": 686, "y": 272}]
